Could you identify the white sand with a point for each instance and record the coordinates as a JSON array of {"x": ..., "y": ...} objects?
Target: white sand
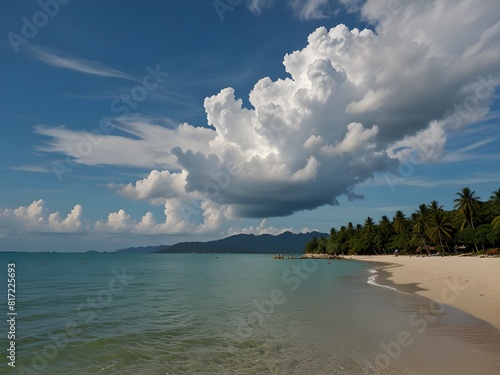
[{"x": 478, "y": 280}]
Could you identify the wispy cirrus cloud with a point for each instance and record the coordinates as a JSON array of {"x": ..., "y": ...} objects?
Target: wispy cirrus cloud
[
  {"x": 147, "y": 142},
  {"x": 428, "y": 181},
  {"x": 313, "y": 9},
  {"x": 32, "y": 168},
  {"x": 305, "y": 9},
  {"x": 256, "y": 6},
  {"x": 466, "y": 153},
  {"x": 65, "y": 61}
]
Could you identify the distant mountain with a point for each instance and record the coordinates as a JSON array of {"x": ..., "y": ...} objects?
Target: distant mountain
[
  {"x": 144, "y": 249},
  {"x": 285, "y": 243}
]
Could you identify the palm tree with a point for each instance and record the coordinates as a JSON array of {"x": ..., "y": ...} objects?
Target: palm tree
[
  {"x": 467, "y": 205},
  {"x": 400, "y": 225},
  {"x": 359, "y": 228},
  {"x": 495, "y": 198},
  {"x": 399, "y": 222},
  {"x": 350, "y": 228},
  {"x": 385, "y": 225},
  {"x": 439, "y": 227},
  {"x": 383, "y": 232},
  {"x": 369, "y": 225},
  {"x": 495, "y": 224},
  {"x": 435, "y": 206},
  {"x": 421, "y": 217},
  {"x": 495, "y": 203}
]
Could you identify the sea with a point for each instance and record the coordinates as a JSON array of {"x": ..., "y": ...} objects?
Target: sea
[{"x": 217, "y": 314}]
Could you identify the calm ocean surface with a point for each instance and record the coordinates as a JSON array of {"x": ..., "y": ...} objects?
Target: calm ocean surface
[{"x": 229, "y": 314}]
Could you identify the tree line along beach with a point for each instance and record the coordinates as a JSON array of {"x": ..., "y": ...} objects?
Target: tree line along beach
[{"x": 435, "y": 248}]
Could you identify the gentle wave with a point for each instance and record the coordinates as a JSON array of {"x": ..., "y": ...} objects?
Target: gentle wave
[{"x": 371, "y": 281}]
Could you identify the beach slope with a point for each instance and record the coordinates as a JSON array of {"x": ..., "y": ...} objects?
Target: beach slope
[{"x": 478, "y": 280}]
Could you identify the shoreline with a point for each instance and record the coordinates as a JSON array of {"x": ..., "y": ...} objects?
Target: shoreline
[{"x": 477, "y": 279}]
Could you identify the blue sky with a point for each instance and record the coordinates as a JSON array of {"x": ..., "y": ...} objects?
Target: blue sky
[{"x": 125, "y": 123}]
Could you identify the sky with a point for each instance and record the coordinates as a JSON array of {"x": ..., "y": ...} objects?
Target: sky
[{"x": 128, "y": 123}]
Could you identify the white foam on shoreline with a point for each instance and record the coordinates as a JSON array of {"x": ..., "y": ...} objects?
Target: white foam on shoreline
[{"x": 371, "y": 280}]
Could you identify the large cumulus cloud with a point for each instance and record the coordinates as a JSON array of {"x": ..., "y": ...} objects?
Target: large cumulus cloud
[{"x": 356, "y": 102}]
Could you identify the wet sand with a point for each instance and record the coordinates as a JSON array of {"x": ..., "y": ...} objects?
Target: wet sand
[{"x": 470, "y": 284}]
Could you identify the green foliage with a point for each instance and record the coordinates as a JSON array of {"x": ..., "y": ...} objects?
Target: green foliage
[
  {"x": 468, "y": 206},
  {"x": 494, "y": 237},
  {"x": 472, "y": 223},
  {"x": 496, "y": 223},
  {"x": 481, "y": 235},
  {"x": 466, "y": 237}
]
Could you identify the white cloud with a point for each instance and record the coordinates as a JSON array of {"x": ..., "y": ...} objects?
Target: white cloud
[
  {"x": 35, "y": 218},
  {"x": 306, "y": 9},
  {"x": 72, "y": 222},
  {"x": 181, "y": 216},
  {"x": 148, "y": 144},
  {"x": 31, "y": 168},
  {"x": 157, "y": 187},
  {"x": 355, "y": 103},
  {"x": 117, "y": 222},
  {"x": 356, "y": 138},
  {"x": 60, "y": 60},
  {"x": 313, "y": 9},
  {"x": 178, "y": 215},
  {"x": 256, "y": 6},
  {"x": 472, "y": 180},
  {"x": 425, "y": 146},
  {"x": 259, "y": 229},
  {"x": 177, "y": 220},
  {"x": 313, "y": 141}
]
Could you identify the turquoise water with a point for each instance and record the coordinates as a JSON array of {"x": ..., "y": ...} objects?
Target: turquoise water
[{"x": 229, "y": 314}]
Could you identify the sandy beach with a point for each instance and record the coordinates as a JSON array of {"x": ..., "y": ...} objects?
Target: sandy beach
[{"x": 477, "y": 279}]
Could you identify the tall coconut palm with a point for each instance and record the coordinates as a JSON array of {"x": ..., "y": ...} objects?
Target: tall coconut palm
[
  {"x": 435, "y": 206},
  {"x": 350, "y": 228},
  {"x": 420, "y": 220},
  {"x": 467, "y": 205},
  {"x": 400, "y": 224},
  {"x": 495, "y": 198},
  {"x": 369, "y": 225},
  {"x": 359, "y": 228},
  {"x": 495, "y": 204},
  {"x": 385, "y": 225},
  {"x": 439, "y": 227},
  {"x": 384, "y": 232}
]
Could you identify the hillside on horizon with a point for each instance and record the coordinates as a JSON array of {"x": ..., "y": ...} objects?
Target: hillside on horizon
[{"x": 286, "y": 243}]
